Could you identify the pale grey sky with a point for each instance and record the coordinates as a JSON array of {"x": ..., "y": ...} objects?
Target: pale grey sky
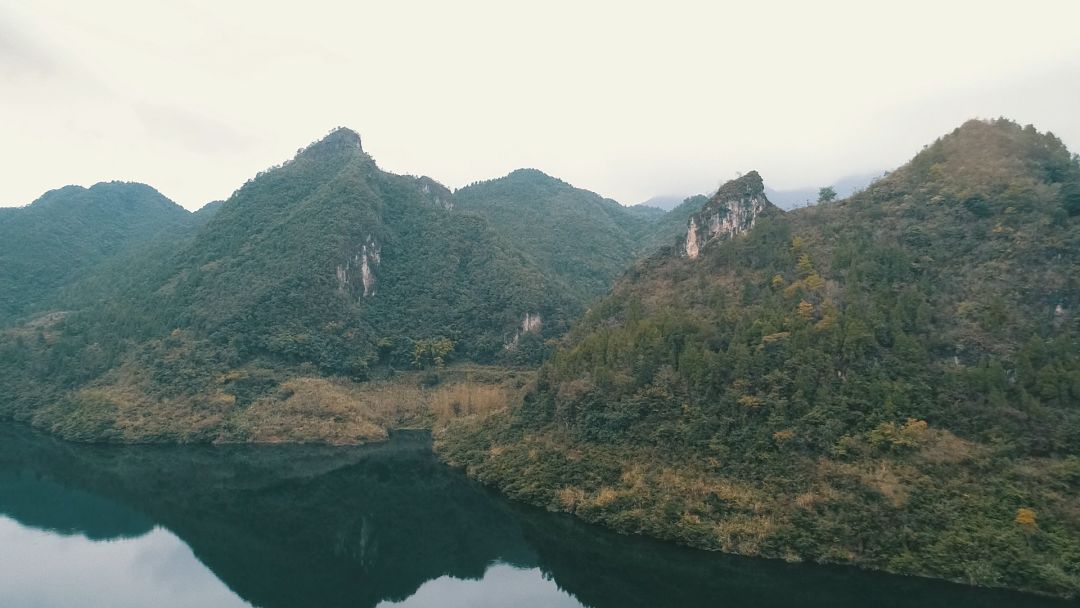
[{"x": 627, "y": 99}]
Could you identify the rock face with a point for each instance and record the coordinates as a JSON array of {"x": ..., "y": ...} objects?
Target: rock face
[
  {"x": 529, "y": 323},
  {"x": 439, "y": 195},
  {"x": 732, "y": 210},
  {"x": 363, "y": 263}
]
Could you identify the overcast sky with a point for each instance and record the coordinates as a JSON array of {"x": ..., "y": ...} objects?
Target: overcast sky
[{"x": 194, "y": 97}]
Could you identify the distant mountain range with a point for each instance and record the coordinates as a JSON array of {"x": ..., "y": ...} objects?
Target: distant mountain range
[
  {"x": 802, "y": 197},
  {"x": 785, "y": 199}
]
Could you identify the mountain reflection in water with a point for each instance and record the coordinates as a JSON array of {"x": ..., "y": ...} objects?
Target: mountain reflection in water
[{"x": 383, "y": 525}]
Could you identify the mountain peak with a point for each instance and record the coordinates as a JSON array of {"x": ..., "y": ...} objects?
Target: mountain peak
[
  {"x": 732, "y": 210},
  {"x": 985, "y": 158},
  {"x": 342, "y": 136},
  {"x": 533, "y": 175},
  {"x": 341, "y": 139},
  {"x": 749, "y": 184}
]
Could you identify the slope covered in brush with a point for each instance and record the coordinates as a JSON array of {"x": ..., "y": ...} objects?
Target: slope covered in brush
[{"x": 891, "y": 381}]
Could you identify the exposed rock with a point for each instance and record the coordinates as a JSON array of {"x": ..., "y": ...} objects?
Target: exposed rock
[
  {"x": 440, "y": 195},
  {"x": 692, "y": 246},
  {"x": 734, "y": 209},
  {"x": 363, "y": 262},
  {"x": 530, "y": 323}
]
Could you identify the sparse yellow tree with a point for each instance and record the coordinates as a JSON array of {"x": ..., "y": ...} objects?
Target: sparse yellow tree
[{"x": 1025, "y": 518}]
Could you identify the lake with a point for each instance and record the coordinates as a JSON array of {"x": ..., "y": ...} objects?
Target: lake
[{"x": 383, "y": 525}]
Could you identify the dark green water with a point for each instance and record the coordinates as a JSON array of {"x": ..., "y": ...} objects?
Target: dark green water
[{"x": 387, "y": 525}]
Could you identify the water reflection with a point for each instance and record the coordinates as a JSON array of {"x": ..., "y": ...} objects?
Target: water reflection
[
  {"x": 502, "y": 585},
  {"x": 387, "y": 525},
  {"x": 39, "y": 568}
]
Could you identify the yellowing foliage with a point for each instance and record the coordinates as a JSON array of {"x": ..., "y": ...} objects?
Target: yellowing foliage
[
  {"x": 1025, "y": 517},
  {"x": 783, "y": 436}
]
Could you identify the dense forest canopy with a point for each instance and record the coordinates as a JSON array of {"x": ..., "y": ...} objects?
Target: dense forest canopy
[
  {"x": 65, "y": 233},
  {"x": 891, "y": 380},
  {"x": 325, "y": 266},
  {"x": 586, "y": 240}
]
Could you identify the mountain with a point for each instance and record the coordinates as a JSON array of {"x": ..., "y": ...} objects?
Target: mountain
[
  {"x": 889, "y": 381},
  {"x": 67, "y": 232},
  {"x": 324, "y": 267},
  {"x": 587, "y": 241},
  {"x": 801, "y": 197},
  {"x": 651, "y": 213},
  {"x": 208, "y": 210},
  {"x": 673, "y": 223},
  {"x": 663, "y": 203},
  {"x": 581, "y": 237}
]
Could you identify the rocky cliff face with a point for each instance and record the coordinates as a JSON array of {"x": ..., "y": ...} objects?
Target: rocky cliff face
[
  {"x": 363, "y": 265},
  {"x": 732, "y": 210}
]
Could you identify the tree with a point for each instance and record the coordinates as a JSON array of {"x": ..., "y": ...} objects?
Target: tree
[
  {"x": 1025, "y": 518},
  {"x": 433, "y": 351},
  {"x": 826, "y": 195},
  {"x": 1070, "y": 194}
]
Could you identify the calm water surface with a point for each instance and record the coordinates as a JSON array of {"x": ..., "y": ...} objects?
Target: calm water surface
[{"x": 387, "y": 525}]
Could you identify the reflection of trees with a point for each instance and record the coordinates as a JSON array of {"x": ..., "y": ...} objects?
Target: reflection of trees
[
  {"x": 37, "y": 502},
  {"x": 292, "y": 526},
  {"x": 603, "y": 569}
]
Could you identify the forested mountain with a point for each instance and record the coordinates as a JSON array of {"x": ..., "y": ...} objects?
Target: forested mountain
[
  {"x": 324, "y": 266},
  {"x": 583, "y": 238},
  {"x": 68, "y": 232},
  {"x": 890, "y": 381}
]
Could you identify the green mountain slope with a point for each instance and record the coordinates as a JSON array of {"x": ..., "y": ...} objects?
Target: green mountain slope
[
  {"x": 584, "y": 239},
  {"x": 324, "y": 266},
  {"x": 66, "y": 233},
  {"x": 890, "y": 381}
]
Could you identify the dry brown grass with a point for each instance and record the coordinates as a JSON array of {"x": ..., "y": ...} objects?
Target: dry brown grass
[
  {"x": 942, "y": 447},
  {"x": 465, "y": 399},
  {"x": 304, "y": 409},
  {"x": 318, "y": 410},
  {"x": 889, "y": 479},
  {"x": 741, "y": 533}
]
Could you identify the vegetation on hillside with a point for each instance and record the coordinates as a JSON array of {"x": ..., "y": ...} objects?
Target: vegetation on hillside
[
  {"x": 585, "y": 240},
  {"x": 890, "y": 381},
  {"x": 325, "y": 267},
  {"x": 66, "y": 233}
]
